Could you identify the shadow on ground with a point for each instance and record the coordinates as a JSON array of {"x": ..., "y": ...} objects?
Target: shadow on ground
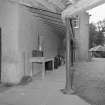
[
  {"x": 4, "y": 87},
  {"x": 89, "y": 82}
]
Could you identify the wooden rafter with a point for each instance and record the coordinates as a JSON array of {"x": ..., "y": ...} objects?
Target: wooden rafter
[
  {"x": 36, "y": 3},
  {"x": 52, "y": 5},
  {"x": 58, "y": 3},
  {"x": 47, "y": 5},
  {"x": 81, "y": 5}
]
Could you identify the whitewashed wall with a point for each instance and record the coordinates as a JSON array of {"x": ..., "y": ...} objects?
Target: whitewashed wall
[
  {"x": 10, "y": 55},
  {"x": 29, "y": 27}
]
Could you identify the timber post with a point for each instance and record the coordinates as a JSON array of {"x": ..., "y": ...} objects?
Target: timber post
[{"x": 69, "y": 69}]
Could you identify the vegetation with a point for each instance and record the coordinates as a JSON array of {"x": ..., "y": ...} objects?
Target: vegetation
[{"x": 96, "y": 34}]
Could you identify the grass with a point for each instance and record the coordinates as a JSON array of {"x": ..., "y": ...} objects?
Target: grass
[{"x": 89, "y": 82}]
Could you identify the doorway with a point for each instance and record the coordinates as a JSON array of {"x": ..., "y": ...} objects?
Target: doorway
[{"x": 0, "y": 52}]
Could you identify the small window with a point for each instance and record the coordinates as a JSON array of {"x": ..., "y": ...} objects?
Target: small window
[{"x": 76, "y": 22}]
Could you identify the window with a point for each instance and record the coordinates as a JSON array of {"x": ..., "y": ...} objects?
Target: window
[{"x": 76, "y": 22}]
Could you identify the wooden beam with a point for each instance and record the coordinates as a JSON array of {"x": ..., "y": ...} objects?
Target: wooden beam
[
  {"x": 58, "y": 3},
  {"x": 68, "y": 56},
  {"x": 35, "y": 3},
  {"x": 69, "y": 69},
  {"x": 46, "y": 4},
  {"x": 81, "y": 5}
]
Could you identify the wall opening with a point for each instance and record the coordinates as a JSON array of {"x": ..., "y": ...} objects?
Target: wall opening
[{"x": 0, "y": 52}]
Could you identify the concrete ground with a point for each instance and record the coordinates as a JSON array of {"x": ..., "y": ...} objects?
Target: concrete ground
[
  {"x": 41, "y": 92},
  {"x": 88, "y": 83}
]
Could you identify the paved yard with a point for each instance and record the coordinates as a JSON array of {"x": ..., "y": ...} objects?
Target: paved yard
[
  {"x": 89, "y": 84},
  {"x": 41, "y": 92}
]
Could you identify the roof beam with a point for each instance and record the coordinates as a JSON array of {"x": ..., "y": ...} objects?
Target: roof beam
[
  {"x": 58, "y": 3},
  {"x": 81, "y": 5},
  {"x": 35, "y": 3},
  {"x": 48, "y": 5}
]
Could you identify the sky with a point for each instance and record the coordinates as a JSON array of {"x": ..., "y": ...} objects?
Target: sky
[{"x": 97, "y": 13}]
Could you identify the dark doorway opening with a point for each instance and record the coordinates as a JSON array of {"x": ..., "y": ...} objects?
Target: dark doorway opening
[{"x": 0, "y": 52}]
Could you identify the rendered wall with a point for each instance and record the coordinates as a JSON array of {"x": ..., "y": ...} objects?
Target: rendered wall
[
  {"x": 10, "y": 55},
  {"x": 83, "y": 37},
  {"x": 29, "y": 28},
  {"x": 19, "y": 37}
]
